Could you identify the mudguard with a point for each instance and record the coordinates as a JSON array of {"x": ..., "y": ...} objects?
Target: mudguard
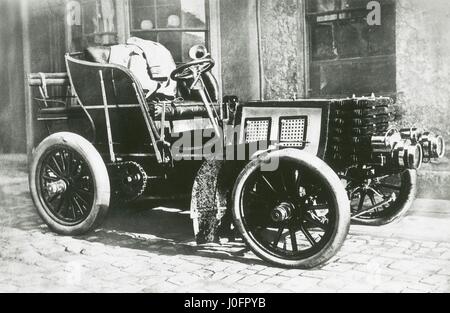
[
  {"x": 211, "y": 192},
  {"x": 209, "y": 202}
]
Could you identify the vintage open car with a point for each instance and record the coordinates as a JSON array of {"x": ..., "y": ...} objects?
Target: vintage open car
[{"x": 287, "y": 176}]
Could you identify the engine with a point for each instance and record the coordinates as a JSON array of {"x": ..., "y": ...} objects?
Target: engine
[{"x": 360, "y": 133}]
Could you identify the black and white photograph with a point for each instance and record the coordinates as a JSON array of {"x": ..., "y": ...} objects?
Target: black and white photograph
[{"x": 202, "y": 147}]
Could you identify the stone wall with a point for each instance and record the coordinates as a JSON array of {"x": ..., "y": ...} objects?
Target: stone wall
[
  {"x": 423, "y": 63},
  {"x": 422, "y": 56},
  {"x": 282, "y": 47}
]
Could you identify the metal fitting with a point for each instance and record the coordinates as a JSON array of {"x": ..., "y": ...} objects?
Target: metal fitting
[
  {"x": 282, "y": 212},
  {"x": 57, "y": 187},
  {"x": 433, "y": 146},
  {"x": 386, "y": 143},
  {"x": 408, "y": 155}
]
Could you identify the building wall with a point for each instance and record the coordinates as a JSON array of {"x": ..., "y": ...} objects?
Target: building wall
[
  {"x": 280, "y": 55},
  {"x": 45, "y": 54},
  {"x": 12, "y": 100},
  {"x": 282, "y": 49},
  {"x": 239, "y": 49},
  {"x": 423, "y": 63},
  {"x": 46, "y": 49},
  {"x": 47, "y": 35},
  {"x": 422, "y": 56}
]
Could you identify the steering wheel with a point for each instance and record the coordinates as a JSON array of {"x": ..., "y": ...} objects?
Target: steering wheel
[{"x": 192, "y": 69}]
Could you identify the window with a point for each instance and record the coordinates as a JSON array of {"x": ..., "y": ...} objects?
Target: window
[
  {"x": 177, "y": 24},
  {"x": 99, "y": 20},
  {"x": 347, "y": 55}
]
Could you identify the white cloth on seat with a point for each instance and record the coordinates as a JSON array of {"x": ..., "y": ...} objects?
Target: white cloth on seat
[
  {"x": 144, "y": 56},
  {"x": 160, "y": 62},
  {"x": 132, "y": 58}
]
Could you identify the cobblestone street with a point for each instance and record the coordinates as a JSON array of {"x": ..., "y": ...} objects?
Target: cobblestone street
[{"x": 143, "y": 250}]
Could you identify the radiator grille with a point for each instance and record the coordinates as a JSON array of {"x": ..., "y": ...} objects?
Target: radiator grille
[
  {"x": 257, "y": 130},
  {"x": 293, "y": 131}
]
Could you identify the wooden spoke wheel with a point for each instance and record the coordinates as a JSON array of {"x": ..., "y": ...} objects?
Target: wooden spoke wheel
[
  {"x": 69, "y": 184},
  {"x": 295, "y": 216}
]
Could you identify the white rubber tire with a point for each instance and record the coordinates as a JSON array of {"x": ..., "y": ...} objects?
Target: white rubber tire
[
  {"x": 340, "y": 202},
  {"x": 100, "y": 177}
]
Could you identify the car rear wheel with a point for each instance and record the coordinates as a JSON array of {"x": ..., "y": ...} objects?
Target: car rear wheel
[
  {"x": 69, "y": 184},
  {"x": 296, "y": 216},
  {"x": 382, "y": 200}
]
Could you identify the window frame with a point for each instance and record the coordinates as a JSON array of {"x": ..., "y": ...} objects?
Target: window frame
[
  {"x": 206, "y": 30},
  {"x": 86, "y": 36},
  {"x": 310, "y": 63},
  {"x": 212, "y": 36},
  {"x": 124, "y": 32}
]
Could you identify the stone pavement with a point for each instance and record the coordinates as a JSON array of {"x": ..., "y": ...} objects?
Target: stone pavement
[{"x": 142, "y": 250}]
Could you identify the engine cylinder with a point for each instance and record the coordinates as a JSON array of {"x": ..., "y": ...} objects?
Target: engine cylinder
[
  {"x": 386, "y": 143},
  {"x": 433, "y": 146},
  {"x": 407, "y": 155},
  {"x": 411, "y": 133},
  {"x": 399, "y": 148}
]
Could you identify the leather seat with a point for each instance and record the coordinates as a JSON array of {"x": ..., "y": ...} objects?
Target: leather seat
[
  {"x": 182, "y": 110},
  {"x": 190, "y": 108},
  {"x": 98, "y": 54}
]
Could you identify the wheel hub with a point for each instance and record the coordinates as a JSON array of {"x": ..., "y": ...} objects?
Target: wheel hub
[
  {"x": 56, "y": 188},
  {"x": 282, "y": 212}
]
